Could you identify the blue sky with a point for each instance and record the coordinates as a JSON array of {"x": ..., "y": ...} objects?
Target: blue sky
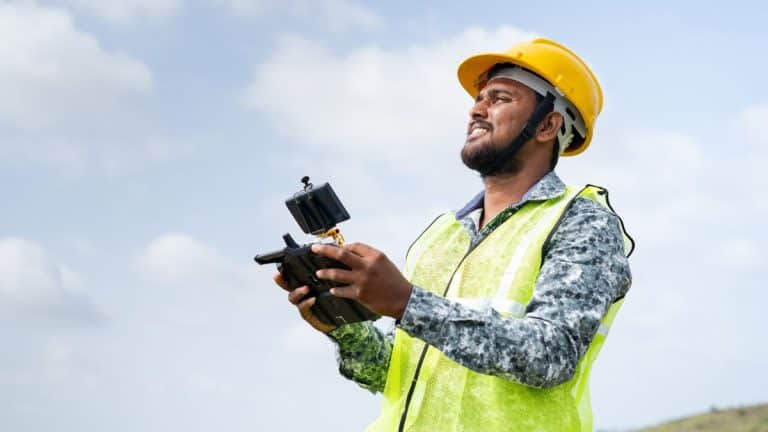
[{"x": 146, "y": 147}]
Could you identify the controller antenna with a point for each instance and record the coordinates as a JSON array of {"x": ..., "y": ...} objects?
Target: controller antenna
[{"x": 307, "y": 184}]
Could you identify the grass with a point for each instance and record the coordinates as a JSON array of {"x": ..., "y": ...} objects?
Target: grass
[{"x": 743, "y": 419}]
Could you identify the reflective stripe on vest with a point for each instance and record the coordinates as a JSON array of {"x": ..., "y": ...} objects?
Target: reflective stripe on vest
[{"x": 499, "y": 273}]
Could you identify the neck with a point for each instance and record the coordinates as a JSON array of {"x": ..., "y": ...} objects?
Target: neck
[{"x": 504, "y": 190}]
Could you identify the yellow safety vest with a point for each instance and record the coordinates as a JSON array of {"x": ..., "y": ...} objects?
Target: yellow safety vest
[{"x": 442, "y": 396}]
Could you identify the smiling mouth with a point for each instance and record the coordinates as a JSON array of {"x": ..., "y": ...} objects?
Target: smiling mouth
[{"x": 476, "y": 132}]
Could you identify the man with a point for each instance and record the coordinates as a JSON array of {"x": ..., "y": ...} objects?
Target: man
[{"x": 504, "y": 304}]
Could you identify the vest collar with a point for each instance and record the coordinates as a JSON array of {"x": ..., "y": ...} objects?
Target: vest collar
[{"x": 548, "y": 187}]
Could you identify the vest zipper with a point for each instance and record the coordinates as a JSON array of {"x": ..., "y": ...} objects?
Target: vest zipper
[{"x": 401, "y": 426}]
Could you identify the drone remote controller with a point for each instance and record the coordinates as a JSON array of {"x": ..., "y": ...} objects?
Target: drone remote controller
[{"x": 317, "y": 210}]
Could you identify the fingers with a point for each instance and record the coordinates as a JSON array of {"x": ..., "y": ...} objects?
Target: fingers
[
  {"x": 304, "y": 308},
  {"x": 337, "y": 275},
  {"x": 342, "y": 255},
  {"x": 278, "y": 278},
  {"x": 350, "y": 292},
  {"x": 361, "y": 249},
  {"x": 296, "y": 295}
]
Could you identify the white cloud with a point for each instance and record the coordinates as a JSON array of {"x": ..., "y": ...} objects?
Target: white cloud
[
  {"x": 75, "y": 157},
  {"x": 123, "y": 157},
  {"x": 340, "y": 15},
  {"x": 247, "y": 7},
  {"x": 396, "y": 105},
  {"x": 658, "y": 177},
  {"x": 62, "y": 361},
  {"x": 179, "y": 259},
  {"x": 123, "y": 10},
  {"x": 754, "y": 120},
  {"x": 740, "y": 254},
  {"x": 68, "y": 103},
  {"x": 753, "y": 125},
  {"x": 34, "y": 286},
  {"x": 51, "y": 72},
  {"x": 336, "y": 15}
]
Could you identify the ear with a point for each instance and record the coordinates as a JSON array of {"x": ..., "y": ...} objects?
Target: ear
[{"x": 549, "y": 127}]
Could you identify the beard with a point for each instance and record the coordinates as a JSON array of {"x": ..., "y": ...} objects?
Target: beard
[{"x": 489, "y": 160}]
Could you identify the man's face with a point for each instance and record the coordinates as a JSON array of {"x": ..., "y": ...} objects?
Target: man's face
[{"x": 500, "y": 111}]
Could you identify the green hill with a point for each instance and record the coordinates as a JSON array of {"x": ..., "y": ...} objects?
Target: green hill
[{"x": 745, "y": 419}]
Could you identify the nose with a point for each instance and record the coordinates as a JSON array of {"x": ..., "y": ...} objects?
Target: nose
[{"x": 479, "y": 110}]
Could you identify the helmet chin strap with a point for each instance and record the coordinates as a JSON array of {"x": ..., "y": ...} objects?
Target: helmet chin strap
[{"x": 544, "y": 107}]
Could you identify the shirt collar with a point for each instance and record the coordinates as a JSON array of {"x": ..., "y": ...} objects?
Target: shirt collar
[{"x": 548, "y": 187}]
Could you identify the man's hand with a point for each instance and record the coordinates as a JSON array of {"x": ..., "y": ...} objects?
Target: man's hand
[
  {"x": 296, "y": 297},
  {"x": 372, "y": 280}
]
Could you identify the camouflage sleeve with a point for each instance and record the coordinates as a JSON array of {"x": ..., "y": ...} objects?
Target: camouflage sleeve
[
  {"x": 362, "y": 353},
  {"x": 584, "y": 271}
]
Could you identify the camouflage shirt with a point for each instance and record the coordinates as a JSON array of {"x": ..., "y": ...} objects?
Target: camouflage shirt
[{"x": 584, "y": 271}]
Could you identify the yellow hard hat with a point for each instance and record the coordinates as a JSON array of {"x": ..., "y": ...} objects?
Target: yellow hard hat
[{"x": 559, "y": 66}]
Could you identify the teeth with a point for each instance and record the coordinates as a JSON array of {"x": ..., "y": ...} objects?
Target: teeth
[{"x": 477, "y": 132}]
